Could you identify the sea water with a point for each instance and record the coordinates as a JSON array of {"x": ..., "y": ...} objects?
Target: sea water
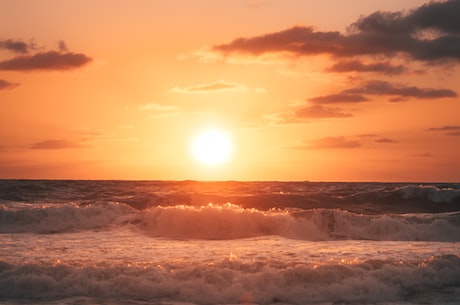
[{"x": 188, "y": 242}]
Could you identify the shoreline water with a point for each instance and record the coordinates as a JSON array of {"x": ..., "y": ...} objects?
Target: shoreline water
[{"x": 162, "y": 242}]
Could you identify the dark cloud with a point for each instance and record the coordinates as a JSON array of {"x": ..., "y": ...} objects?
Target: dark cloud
[
  {"x": 396, "y": 91},
  {"x": 14, "y": 46},
  {"x": 5, "y": 85},
  {"x": 62, "y": 46},
  {"x": 400, "y": 91},
  {"x": 55, "y": 144},
  {"x": 301, "y": 40},
  {"x": 339, "y": 98},
  {"x": 358, "y": 66},
  {"x": 381, "y": 33},
  {"x": 333, "y": 142},
  {"x": 51, "y": 60},
  {"x": 320, "y": 111},
  {"x": 385, "y": 140},
  {"x": 448, "y": 130}
]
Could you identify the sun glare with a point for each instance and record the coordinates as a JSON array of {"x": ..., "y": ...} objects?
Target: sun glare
[{"x": 212, "y": 147}]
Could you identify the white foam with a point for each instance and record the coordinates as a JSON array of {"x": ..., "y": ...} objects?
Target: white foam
[{"x": 231, "y": 282}]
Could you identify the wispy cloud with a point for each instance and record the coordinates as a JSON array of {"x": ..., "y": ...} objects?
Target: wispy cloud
[
  {"x": 339, "y": 98},
  {"x": 395, "y": 91},
  {"x": 5, "y": 85},
  {"x": 346, "y": 142},
  {"x": 377, "y": 138},
  {"x": 400, "y": 92},
  {"x": 56, "y": 144},
  {"x": 422, "y": 155},
  {"x": 448, "y": 130},
  {"x": 320, "y": 111},
  {"x": 160, "y": 110},
  {"x": 217, "y": 86},
  {"x": 158, "y": 107},
  {"x": 359, "y": 66},
  {"x": 332, "y": 143}
]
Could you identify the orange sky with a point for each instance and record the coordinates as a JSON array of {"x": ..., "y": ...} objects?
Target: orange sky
[{"x": 330, "y": 90}]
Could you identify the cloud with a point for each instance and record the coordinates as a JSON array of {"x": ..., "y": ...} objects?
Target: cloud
[
  {"x": 359, "y": 66},
  {"x": 385, "y": 140},
  {"x": 381, "y": 33},
  {"x": 422, "y": 155},
  {"x": 339, "y": 98},
  {"x": 51, "y": 60},
  {"x": 448, "y": 130},
  {"x": 160, "y": 110},
  {"x": 14, "y": 46},
  {"x": 378, "y": 138},
  {"x": 342, "y": 142},
  {"x": 56, "y": 144},
  {"x": 333, "y": 143},
  {"x": 217, "y": 86},
  {"x": 320, "y": 111},
  {"x": 157, "y": 107},
  {"x": 397, "y": 92},
  {"x": 5, "y": 85},
  {"x": 400, "y": 91},
  {"x": 62, "y": 46}
]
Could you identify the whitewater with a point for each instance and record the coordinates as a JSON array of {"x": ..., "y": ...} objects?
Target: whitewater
[{"x": 191, "y": 242}]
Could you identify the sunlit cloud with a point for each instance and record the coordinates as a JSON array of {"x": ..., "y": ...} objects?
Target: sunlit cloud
[
  {"x": 217, "y": 86},
  {"x": 158, "y": 107},
  {"x": 5, "y": 85},
  {"x": 158, "y": 110}
]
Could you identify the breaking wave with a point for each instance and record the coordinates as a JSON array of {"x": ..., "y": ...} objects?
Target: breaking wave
[
  {"x": 233, "y": 282},
  {"x": 230, "y": 221}
]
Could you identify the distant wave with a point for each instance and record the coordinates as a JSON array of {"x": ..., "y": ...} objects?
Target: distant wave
[
  {"x": 230, "y": 221},
  {"x": 367, "y": 198},
  {"x": 20, "y": 218},
  {"x": 230, "y": 281}
]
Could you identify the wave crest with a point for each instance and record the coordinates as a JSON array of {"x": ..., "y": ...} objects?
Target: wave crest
[
  {"x": 60, "y": 218},
  {"x": 231, "y": 221}
]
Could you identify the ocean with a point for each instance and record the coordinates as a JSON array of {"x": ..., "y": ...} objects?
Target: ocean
[{"x": 191, "y": 242}]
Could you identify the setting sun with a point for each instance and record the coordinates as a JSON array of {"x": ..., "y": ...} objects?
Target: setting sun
[{"x": 212, "y": 147}]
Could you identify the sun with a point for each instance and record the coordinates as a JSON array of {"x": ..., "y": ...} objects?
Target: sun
[{"x": 212, "y": 147}]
